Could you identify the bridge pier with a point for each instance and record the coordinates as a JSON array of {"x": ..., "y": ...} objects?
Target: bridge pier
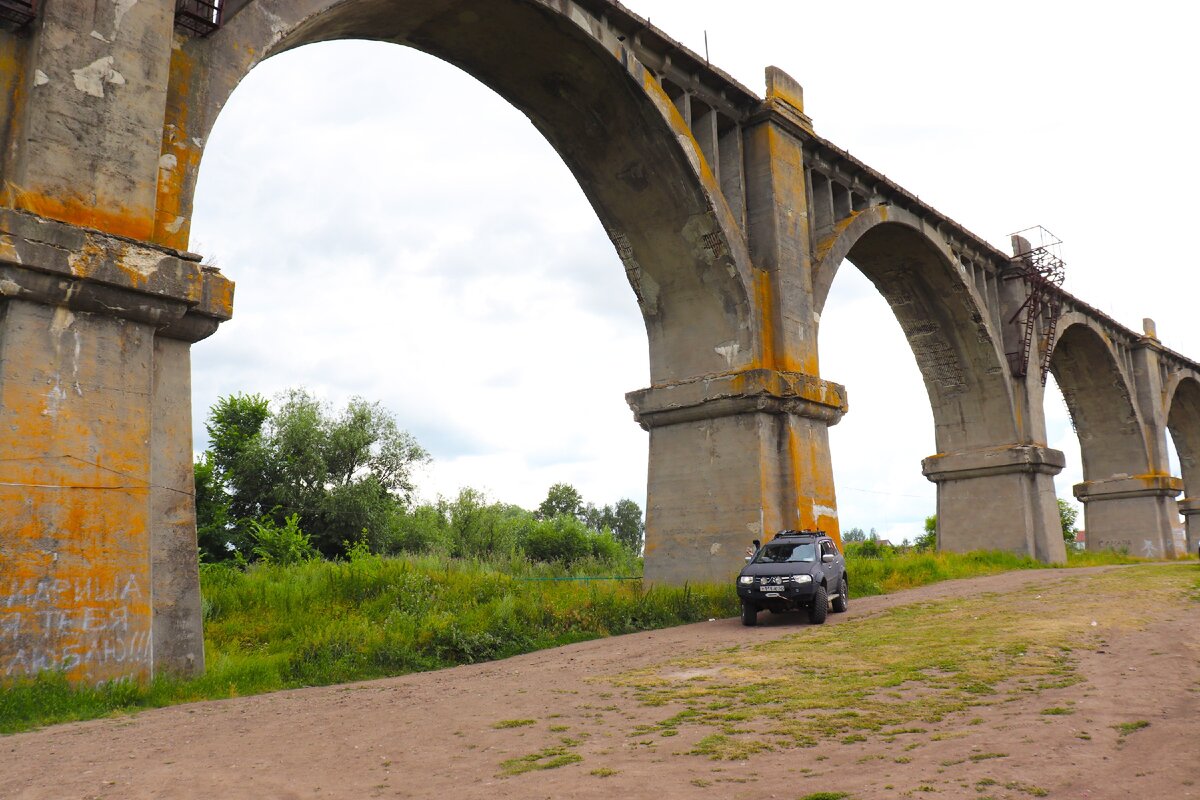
[
  {"x": 1131, "y": 514},
  {"x": 999, "y": 498},
  {"x": 98, "y": 540},
  {"x": 733, "y": 458},
  {"x": 1189, "y": 507}
]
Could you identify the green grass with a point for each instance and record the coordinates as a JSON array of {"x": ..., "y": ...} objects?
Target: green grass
[
  {"x": 549, "y": 758},
  {"x": 1123, "y": 729},
  {"x": 893, "y": 572},
  {"x": 320, "y": 623},
  {"x": 513, "y": 723},
  {"x": 883, "y": 675}
]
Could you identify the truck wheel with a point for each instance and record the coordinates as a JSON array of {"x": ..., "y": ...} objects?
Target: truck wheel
[
  {"x": 843, "y": 599},
  {"x": 820, "y": 606},
  {"x": 749, "y": 615}
]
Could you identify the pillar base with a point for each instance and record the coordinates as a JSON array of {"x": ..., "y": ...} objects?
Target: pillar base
[
  {"x": 1189, "y": 507},
  {"x": 98, "y": 568},
  {"x": 1131, "y": 515},
  {"x": 734, "y": 458},
  {"x": 999, "y": 498}
]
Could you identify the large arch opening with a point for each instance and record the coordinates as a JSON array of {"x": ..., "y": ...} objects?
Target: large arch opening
[
  {"x": 662, "y": 210},
  {"x": 901, "y": 272},
  {"x": 1129, "y": 500},
  {"x": 423, "y": 265},
  {"x": 1097, "y": 394},
  {"x": 1183, "y": 421}
]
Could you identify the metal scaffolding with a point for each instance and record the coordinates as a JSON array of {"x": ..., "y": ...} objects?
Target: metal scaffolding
[
  {"x": 1038, "y": 262},
  {"x": 198, "y": 17},
  {"x": 17, "y": 13}
]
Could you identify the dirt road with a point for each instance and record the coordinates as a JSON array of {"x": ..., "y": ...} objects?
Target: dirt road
[{"x": 451, "y": 733}]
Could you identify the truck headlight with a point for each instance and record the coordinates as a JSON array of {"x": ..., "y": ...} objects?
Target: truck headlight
[
  {"x": 746, "y": 579},
  {"x": 802, "y": 578}
]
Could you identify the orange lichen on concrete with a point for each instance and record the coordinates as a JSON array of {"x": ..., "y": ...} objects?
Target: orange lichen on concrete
[
  {"x": 218, "y": 295},
  {"x": 775, "y": 354},
  {"x": 13, "y": 87},
  {"x": 180, "y": 161},
  {"x": 811, "y": 471},
  {"x": 679, "y": 125},
  {"x": 764, "y": 300},
  {"x": 121, "y": 221},
  {"x": 74, "y": 538}
]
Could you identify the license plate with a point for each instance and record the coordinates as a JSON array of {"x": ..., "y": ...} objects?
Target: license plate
[{"x": 771, "y": 588}]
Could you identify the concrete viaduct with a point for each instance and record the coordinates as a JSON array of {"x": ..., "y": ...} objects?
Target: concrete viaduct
[{"x": 729, "y": 214}]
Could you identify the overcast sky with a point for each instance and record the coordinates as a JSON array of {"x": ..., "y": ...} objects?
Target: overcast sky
[{"x": 398, "y": 232}]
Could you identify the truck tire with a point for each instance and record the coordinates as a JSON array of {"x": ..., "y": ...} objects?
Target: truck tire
[
  {"x": 749, "y": 615},
  {"x": 842, "y": 601},
  {"x": 820, "y": 606}
]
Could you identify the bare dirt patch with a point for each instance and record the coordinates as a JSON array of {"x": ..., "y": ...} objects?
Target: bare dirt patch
[{"x": 563, "y": 723}]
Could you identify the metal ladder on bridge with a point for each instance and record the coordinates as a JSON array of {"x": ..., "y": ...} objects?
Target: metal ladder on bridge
[{"x": 1043, "y": 271}]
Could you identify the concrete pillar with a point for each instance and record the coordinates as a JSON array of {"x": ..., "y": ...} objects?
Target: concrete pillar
[
  {"x": 734, "y": 458},
  {"x": 178, "y": 630},
  {"x": 1189, "y": 507},
  {"x": 98, "y": 573},
  {"x": 74, "y": 539},
  {"x": 1135, "y": 512},
  {"x": 999, "y": 499},
  {"x": 86, "y": 116},
  {"x": 1134, "y": 515}
]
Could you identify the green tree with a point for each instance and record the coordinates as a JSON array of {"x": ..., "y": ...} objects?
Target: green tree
[
  {"x": 928, "y": 539},
  {"x": 214, "y": 531},
  {"x": 854, "y": 535},
  {"x": 345, "y": 476},
  {"x": 1068, "y": 515},
  {"x": 562, "y": 499},
  {"x": 240, "y": 464},
  {"x": 627, "y": 526},
  {"x": 624, "y": 521}
]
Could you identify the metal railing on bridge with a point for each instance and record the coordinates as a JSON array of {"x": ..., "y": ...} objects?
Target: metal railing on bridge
[
  {"x": 197, "y": 17},
  {"x": 17, "y": 13}
]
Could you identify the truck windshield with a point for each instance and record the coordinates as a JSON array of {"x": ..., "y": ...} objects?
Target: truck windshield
[{"x": 780, "y": 552}]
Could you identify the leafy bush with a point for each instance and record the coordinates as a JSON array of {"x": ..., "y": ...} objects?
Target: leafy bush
[{"x": 284, "y": 546}]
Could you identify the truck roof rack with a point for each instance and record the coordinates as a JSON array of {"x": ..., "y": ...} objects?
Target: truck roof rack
[{"x": 799, "y": 533}]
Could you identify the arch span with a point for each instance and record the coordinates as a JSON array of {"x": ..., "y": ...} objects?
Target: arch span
[
  {"x": 1099, "y": 395},
  {"x": 942, "y": 317},
  {"x": 1127, "y": 494},
  {"x": 1183, "y": 422},
  {"x": 987, "y": 462},
  {"x": 580, "y": 86}
]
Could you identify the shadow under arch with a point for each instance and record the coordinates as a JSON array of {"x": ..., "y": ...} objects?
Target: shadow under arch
[
  {"x": 1097, "y": 393},
  {"x": 597, "y": 106},
  {"x": 943, "y": 320}
]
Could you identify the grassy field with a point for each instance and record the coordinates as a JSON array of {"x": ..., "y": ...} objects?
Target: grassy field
[
  {"x": 272, "y": 628},
  {"x": 899, "y": 673}
]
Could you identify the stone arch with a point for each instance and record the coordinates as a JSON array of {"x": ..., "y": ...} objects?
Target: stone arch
[
  {"x": 1099, "y": 394},
  {"x": 1183, "y": 421},
  {"x": 943, "y": 318},
  {"x": 579, "y": 84}
]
